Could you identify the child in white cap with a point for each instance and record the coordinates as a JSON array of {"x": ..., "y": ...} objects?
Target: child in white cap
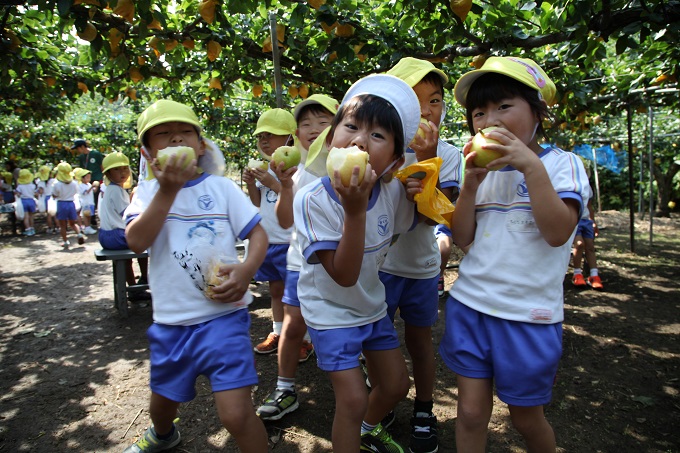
[
  {"x": 275, "y": 128},
  {"x": 313, "y": 116},
  {"x": 65, "y": 191},
  {"x": 114, "y": 200},
  {"x": 185, "y": 217},
  {"x": 504, "y": 326},
  {"x": 344, "y": 233},
  {"x": 26, "y": 190}
]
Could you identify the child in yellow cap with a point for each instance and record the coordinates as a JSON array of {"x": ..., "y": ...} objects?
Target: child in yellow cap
[
  {"x": 26, "y": 190},
  {"x": 504, "y": 326},
  {"x": 275, "y": 128},
  {"x": 86, "y": 192},
  {"x": 44, "y": 183},
  {"x": 115, "y": 199},
  {"x": 186, "y": 218},
  {"x": 65, "y": 191},
  {"x": 313, "y": 117}
]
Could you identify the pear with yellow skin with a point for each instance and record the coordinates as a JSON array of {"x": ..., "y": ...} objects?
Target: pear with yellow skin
[
  {"x": 344, "y": 160},
  {"x": 165, "y": 153},
  {"x": 485, "y": 156}
]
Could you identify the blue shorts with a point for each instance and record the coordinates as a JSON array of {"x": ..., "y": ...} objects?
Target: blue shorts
[
  {"x": 274, "y": 266},
  {"x": 47, "y": 199},
  {"x": 290, "y": 294},
  {"x": 416, "y": 299},
  {"x": 219, "y": 349},
  {"x": 28, "y": 204},
  {"x": 585, "y": 229},
  {"x": 66, "y": 210},
  {"x": 339, "y": 349},
  {"x": 113, "y": 239},
  {"x": 521, "y": 357},
  {"x": 442, "y": 230}
]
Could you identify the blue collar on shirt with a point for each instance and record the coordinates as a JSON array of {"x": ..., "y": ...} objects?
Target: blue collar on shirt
[
  {"x": 193, "y": 182},
  {"x": 375, "y": 192}
]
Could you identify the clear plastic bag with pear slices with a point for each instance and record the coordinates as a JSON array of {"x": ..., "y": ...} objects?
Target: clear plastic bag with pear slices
[
  {"x": 431, "y": 202},
  {"x": 211, "y": 274}
]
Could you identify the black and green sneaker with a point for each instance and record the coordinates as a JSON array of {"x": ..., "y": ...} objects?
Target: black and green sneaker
[
  {"x": 379, "y": 440},
  {"x": 278, "y": 404}
]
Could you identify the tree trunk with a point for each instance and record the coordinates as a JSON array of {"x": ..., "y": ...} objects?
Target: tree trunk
[{"x": 664, "y": 184}]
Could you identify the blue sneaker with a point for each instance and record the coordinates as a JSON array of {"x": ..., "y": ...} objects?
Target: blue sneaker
[{"x": 150, "y": 443}]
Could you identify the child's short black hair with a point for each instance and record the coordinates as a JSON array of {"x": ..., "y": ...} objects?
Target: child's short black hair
[
  {"x": 367, "y": 109},
  {"x": 492, "y": 86},
  {"x": 314, "y": 109},
  {"x": 435, "y": 79}
]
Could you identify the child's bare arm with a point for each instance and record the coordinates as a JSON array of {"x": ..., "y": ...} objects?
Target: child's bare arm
[
  {"x": 344, "y": 263},
  {"x": 142, "y": 231},
  {"x": 240, "y": 275},
  {"x": 284, "y": 202}
]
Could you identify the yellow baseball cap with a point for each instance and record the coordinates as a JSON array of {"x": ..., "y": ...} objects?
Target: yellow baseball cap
[
  {"x": 44, "y": 172},
  {"x": 115, "y": 159},
  {"x": 523, "y": 70},
  {"x": 326, "y": 102},
  {"x": 64, "y": 172},
  {"x": 412, "y": 70},
  {"x": 80, "y": 172},
  {"x": 165, "y": 111},
  {"x": 277, "y": 122},
  {"x": 25, "y": 176}
]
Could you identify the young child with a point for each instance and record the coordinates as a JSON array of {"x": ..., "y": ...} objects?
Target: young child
[
  {"x": 275, "y": 128},
  {"x": 412, "y": 268},
  {"x": 86, "y": 192},
  {"x": 313, "y": 116},
  {"x": 64, "y": 191},
  {"x": 344, "y": 234},
  {"x": 186, "y": 218},
  {"x": 44, "y": 183},
  {"x": 503, "y": 322},
  {"x": 26, "y": 190},
  {"x": 584, "y": 244},
  {"x": 111, "y": 208}
]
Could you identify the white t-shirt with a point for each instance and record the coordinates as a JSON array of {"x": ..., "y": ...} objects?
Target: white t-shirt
[
  {"x": 63, "y": 191},
  {"x": 319, "y": 220},
  {"x": 294, "y": 258},
  {"x": 510, "y": 271},
  {"x": 49, "y": 186},
  {"x": 270, "y": 222},
  {"x": 112, "y": 206},
  {"x": 208, "y": 215},
  {"x": 26, "y": 191},
  {"x": 416, "y": 253},
  {"x": 86, "y": 198}
]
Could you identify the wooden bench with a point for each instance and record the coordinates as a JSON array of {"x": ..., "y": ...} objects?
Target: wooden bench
[{"x": 120, "y": 288}]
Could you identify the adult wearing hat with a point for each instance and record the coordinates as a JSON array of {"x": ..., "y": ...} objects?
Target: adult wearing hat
[{"x": 90, "y": 159}]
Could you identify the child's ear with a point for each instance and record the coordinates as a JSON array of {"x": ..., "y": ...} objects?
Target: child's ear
[{"x": 399, "y": 163}]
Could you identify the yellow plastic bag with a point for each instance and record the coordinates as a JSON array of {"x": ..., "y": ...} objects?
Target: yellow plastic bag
[{"x": 431, "y": 202}]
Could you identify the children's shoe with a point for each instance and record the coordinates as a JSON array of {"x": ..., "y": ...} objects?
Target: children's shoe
[
  {"x": 440, "y": 286},
  {"x": 595, "y": 282},
  {"x": 89, "y": 230},
  {"x": 578, "y": 281},
  {"x": 424, "y": 434},
  {"x": 81, "y": 238},
  {"x": 278, "y": 404},
  {"x": 150, "y": 443},
  {"x": 379, "y": 440},
  {"x": 306, "y": 351},
  {"x": 269, "y": 345},
  {"x": 65, "y": 244}
]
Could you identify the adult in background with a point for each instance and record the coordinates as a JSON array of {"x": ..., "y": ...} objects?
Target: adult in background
[{"x": 90, "y": 159}]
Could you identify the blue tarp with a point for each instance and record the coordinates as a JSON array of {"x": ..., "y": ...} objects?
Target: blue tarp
[{"x": 614, "y": 161}]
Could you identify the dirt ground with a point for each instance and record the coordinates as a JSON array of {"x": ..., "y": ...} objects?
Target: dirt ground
[{"x": 74, "y": 375}]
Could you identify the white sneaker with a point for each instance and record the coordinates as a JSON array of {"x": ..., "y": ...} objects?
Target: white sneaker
[{"x": 89, "y": 230}]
